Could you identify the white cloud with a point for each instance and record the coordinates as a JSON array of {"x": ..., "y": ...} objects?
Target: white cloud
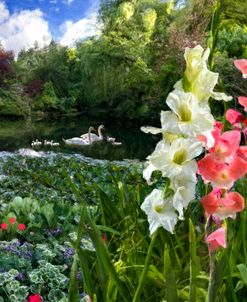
[
  {"x": 4, "y": 12},
  {"x": 85, "y": 27},
  {"x": 69, "y": 1},
  {"x": 22, "y": 29}
]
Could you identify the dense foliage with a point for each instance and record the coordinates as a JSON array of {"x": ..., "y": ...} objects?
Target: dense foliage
[
  {"x": 51, "y": 204},
  {"x": 131, "y": 65}
]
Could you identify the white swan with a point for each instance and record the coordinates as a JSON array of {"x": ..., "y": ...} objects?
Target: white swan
[
  {"x": 116, "y": 143},
  {"x": 95, "y": 137},
  {"x": 110, "y": 139},
  {"x": 51, "y": 143},
  {"x": 79, "y": 141},
  {"x": 36, "y": 143}
]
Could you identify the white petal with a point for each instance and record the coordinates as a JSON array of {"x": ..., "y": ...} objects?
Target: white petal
[
  {"x": 147, "y": 173},
  {"x": 169, "y": 122},
  {"x": 210, "y": 139},
  {"x": 202, "y": 121},
  {"x": 166, "y": 217},
  {"x": 184, "y": 194},
  {"x": 220, "y": 96},
  {"x": 192, "y": 146},
  {"x": 176, "y": 98},
  {"x": 149, "y": 129}
]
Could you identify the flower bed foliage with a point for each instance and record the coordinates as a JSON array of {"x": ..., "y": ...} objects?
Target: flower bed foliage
[{"x": 38, "y": 258}]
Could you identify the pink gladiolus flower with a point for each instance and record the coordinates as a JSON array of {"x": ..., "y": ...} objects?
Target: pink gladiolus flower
[
  {"x": 222, "y": 175},
  {"x": 229, "y": 205},
  {"x": 209, "y": 203},
  {"x": 242, "y": 66},
  {"x": 34, "y": 298},
  {"x": 234, "y": 117},
  {"x": 223, "y": 207},
  {"x": 217, "y": 239},
  {"x": 208, "y": 139},
  {"x": 218, "y": 127},
  {"x": 226, "y": 145},
  {"x": 243, "y": 101},
  {"x": 242, "y": 152}
]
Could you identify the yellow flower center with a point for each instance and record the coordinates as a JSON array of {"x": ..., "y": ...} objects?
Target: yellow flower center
[
  {"x": 158, "y": 207},
  {"x": 180, "y": 156},
  {"x": 184, "y": 113},
  {"x": 223, "y": 175}
]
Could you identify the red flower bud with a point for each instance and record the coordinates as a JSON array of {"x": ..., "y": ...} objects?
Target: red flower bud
[
  {"x": 4, "y": 226},
  {"x": 21, "y": 227}
]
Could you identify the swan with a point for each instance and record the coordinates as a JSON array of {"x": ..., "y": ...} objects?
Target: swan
[
  {"x": 110, "y": 139},
  {"x": 51, "y": 143},
  {"x": 36, "y": 143},
  {"x": 116, "y": 143},
  {"x": 95, "y": 137},
  {"x": 79, "y": 141}
]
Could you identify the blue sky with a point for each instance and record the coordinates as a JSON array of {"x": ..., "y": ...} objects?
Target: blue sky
[{"x": 22, "y": 22}]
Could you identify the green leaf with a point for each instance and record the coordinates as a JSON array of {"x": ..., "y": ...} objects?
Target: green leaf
[
  {"x": 171, "y": 291},
  {"x": 193, "y": 263},
  {"x": 48, "y": 212},
  {"x": 73, "y": 284},
  {"x": 243, "y": 272}
]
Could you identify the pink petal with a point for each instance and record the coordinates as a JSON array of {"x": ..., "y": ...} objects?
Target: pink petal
[
  {"x": 243, "y": 101},
  {"x": 203, "y": 139},
  {"x": 238, "y": 201},
  {"x": 233, "y": 116},
  {"x": 209, "y": 203},
  {"x": 242, "y": 152},
  {"x": 237, "y": 168},
  {"x": 242, "y": 66},
  {"x": 209, "y": 168},
  {"x": 231, "y": 204},
  {"x": 217, "y": 239},
  {"x": 218, "y": 127}
]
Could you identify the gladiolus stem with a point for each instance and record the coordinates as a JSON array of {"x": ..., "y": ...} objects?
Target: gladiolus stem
[
  {"x": 211, "y": 285},
  {"x": 145, "y": 268},
  {"x": 212, "y": 267}
]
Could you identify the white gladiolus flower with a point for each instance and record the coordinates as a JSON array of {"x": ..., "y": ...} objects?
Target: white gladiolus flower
[
  {"x": 203, "y": 86},
  {"x": 196, "y": 60},
  {"x": 147, "y": 172},
  {"x": 185, "y": 190},
  {"x": 160, "y": 211},
  {"x": 192, "y": 119},
  {"x": 198, "y": 78},
  {"x": 168, "y": 125},
  {"x": 176, "y": 158}
]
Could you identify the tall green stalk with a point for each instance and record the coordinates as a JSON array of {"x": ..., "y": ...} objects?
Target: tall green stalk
[
  {"x": 193, "y": 262},
  {"x": 212, "y": 275},
  {"x": 215, "y": 23},
  {"x": 212, "y": 267},
  {"x": 145, "y": 268}
]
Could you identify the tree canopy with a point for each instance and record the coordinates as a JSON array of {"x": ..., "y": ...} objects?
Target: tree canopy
[{"x": 130, "y": 67}]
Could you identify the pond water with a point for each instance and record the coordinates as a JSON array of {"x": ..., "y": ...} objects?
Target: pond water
[{"x": 19, "y": 134}]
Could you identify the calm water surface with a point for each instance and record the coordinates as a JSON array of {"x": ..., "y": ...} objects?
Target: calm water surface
[{"x": 19, "y": 134}]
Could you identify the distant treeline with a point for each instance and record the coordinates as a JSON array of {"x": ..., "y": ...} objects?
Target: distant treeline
[{"x": 126, "y": 72}]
